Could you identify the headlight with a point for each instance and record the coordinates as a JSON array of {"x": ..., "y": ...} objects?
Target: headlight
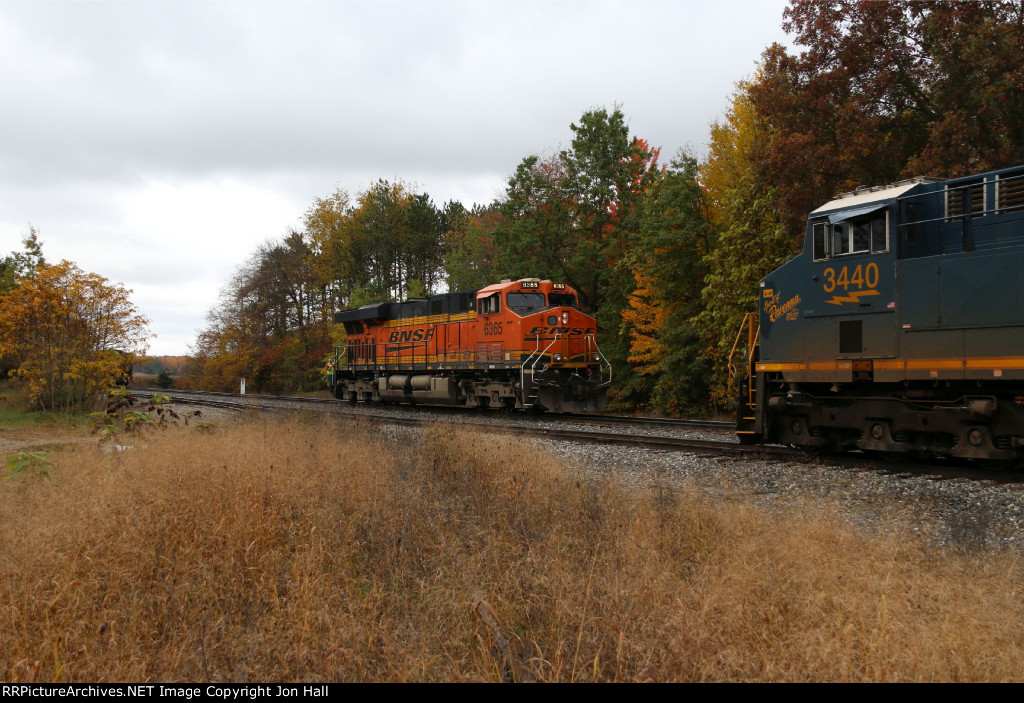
[{"x": 558, "y": 357}]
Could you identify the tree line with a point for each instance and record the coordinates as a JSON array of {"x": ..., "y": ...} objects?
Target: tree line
[
  {"x": 666, "y": 255},
  {"x": 65, "y": 333}
]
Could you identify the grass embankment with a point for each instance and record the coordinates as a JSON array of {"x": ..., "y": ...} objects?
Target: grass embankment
[
  {"x": 14, "y": 414},
  {"x": 291, "y": 551}
]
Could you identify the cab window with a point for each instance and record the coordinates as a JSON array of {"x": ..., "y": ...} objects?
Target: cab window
[
  {"x": 489, "y": 305},
  {"x": 879, "y": 233},
  {"x": 864, "y": 234},
  {"x": 847, "y": 239},
  {"x": 820, "y": 234}
]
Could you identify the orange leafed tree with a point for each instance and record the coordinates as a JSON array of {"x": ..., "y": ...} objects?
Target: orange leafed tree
[
  {"x": 69, "y": 331},
  {"x": 645, "y": 317}
]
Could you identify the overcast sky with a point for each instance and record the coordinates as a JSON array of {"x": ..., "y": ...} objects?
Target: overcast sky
[{"x": 159, "y": 143}]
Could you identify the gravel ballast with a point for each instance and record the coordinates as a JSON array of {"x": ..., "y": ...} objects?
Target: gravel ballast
[{"x": 957, "y": 512}]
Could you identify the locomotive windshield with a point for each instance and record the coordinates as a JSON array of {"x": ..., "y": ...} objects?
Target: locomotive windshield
[
  {"x": 525, "y": 302},
  {"x": 562, "y": 300}
]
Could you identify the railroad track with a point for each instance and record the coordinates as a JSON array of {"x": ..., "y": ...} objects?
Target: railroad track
[
  {"x": 589, "y": 419},
  {"x": 523, "y": 425},
  {"x": 627, "y": 420},
  {"x": 530, "y": 426}
]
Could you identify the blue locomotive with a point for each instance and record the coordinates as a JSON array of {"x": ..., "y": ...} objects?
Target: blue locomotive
[{"x": 900, "y": 326}]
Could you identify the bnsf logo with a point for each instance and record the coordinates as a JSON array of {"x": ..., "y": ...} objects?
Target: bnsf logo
[
  {"x": 420, "y": 335},
  {"x": 571, "y": 331}
]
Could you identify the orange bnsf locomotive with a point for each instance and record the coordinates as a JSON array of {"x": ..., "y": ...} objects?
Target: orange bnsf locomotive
[{"x": 514, "y": 345}]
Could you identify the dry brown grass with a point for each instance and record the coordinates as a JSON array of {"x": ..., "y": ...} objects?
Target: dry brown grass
[{"x": 300, "y": 551}]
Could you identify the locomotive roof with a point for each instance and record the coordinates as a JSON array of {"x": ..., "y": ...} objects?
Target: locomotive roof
[
  {"x": 374, "y": 311},
  {"x": 870, "y": 196},
  {"x": 439, "y": 304},
  {"x": 879, "y": 194},
  {"x": 507, "y": 283}
]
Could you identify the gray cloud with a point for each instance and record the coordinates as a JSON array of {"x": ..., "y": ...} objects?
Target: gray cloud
[{"x": 128, "y": 126}]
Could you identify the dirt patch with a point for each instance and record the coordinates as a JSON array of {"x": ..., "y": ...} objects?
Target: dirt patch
[
  {"x": 17, "y": 440},
  {"x": 49, "y": 437}
]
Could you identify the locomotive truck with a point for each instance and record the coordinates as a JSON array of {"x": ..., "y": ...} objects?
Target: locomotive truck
[
  {"x": 899, "y": 328},
  {"x": 522, "y": 344}
]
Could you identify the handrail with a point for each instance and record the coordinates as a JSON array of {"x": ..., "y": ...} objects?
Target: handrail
[
  {"x": 939, "y": 197},
  {"x": 752, "y": 335},
  {"x": 522, "y": 369},
  {"x": 600, "y": 358},
  {"x": 971, "y": 215},
  {"x": 536, "y": 356},
  {"x": 522, "y": 366},
  {"x": 533, "y": 367}
]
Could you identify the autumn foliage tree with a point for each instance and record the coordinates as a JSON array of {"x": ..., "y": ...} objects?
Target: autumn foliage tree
[
  {"x": 372, "y": 246},
  {"x": 274, "y": 323},
  {"x": 21, "y": 264},
  {"x": 271, "y": 326},
  {"x": 14, "y": 267},
  {"x": 570, "y": 217},
  {"x": 69, "y": 331},
  {"x": 750, "y": 239},
  {"x": 975, "y": 84},
  {"x": 472, "y": 257},
  {"x": 668, "y": 263},
  {"x": 885, "y": 90}
]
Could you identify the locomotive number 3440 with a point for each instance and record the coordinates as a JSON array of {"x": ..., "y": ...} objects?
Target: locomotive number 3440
[{"x": 862, "y": 277}]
